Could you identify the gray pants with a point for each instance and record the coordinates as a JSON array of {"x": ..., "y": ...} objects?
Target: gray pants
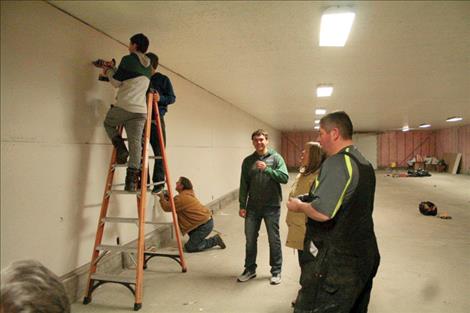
[{"x": 134, "y": 124}]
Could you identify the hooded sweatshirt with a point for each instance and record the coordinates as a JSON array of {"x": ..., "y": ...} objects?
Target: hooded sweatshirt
[{"x": 132, "y": 77}]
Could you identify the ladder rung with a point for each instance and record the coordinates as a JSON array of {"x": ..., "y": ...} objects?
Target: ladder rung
[
  {"x": 130, "y": 220},
  {"x": 124, "y": 192},
  {"x": 157, "y": 183},
  {"x": 148, "y": 185},
  {"x": 116, "y": 248},
  {"x": 119, "y": 220},
  {"x": 120, "y": 165},
  {"x": 127, "y": 164},
  {"x": 114, "y": 278}
]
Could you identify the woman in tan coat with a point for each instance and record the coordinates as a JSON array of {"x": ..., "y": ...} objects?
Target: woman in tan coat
[{"x": 310, "y": 161}]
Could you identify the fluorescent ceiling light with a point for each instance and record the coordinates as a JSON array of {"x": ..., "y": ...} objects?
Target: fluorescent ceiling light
[
  {"x": 425, "y": 125},
  {"x": 405, "y": 128},
  {"x": 317, "y": 122},
  {"x": 324, "y": 91},
  {"x": 454, "y": 119},
  {"x": 336, "y": 23},
  {"x": 316, "y": 127},
  {"x": 320, "y": 111}
]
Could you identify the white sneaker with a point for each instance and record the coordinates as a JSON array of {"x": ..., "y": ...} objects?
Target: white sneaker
[
  {"x": 246, "y": 275},
  {"x": 275, "y": 279}
]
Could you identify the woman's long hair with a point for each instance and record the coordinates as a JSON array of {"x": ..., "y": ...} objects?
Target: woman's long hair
[{"x": 315, "y": 155}]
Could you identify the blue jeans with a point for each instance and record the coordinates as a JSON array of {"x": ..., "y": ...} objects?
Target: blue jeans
[
  {"x": 197, "y": 241},
  {"x": 252, "y": 225}
]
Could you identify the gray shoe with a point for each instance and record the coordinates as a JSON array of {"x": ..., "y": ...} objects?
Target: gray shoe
[
  {"x": 246, "y": 275},
  {"x": 275, "y": 279}
]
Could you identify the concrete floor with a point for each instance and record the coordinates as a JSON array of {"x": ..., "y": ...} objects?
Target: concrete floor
[{"x": 425, "y": 260}]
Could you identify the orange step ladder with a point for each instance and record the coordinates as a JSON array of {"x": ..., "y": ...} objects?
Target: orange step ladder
[{"x": 133, "y": 283}]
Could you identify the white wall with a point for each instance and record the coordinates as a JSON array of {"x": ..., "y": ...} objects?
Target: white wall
[
  {"x": 54, "y": 150},
  {"x": 367, "y": 144}
]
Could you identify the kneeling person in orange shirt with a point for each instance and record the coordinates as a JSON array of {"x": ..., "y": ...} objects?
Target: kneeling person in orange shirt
[{"x": 193, "y": 217}]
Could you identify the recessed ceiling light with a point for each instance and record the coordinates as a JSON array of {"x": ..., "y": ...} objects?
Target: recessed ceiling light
[
  {"x": 320, "y": 111},
  {"x": 324, "y": 91},
  {"x": 317, "y": 122},
  {"x": 336, "y": 23},
  {"x": 425, "y": 125},
  {"x": 454, "y": 119},
  {"x": 316, "y": 127},
  {"x": 405, "y": 128}
]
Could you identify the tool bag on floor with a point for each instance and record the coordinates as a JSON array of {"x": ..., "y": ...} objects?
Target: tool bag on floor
[{"x": 428, "y": 208}]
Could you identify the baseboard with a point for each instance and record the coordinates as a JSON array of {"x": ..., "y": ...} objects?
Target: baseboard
[
  {"x": 223, "y": 201},
  {"x": 113, "y": 263}
]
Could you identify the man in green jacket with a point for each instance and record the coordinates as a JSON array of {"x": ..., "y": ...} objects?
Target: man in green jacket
[{"x": 260, "y": 198}]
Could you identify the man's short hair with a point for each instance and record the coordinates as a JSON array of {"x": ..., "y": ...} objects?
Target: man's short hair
[
  {"x": 187, "y": 185},
  {"x": 259, "y": 132},
  {"x": 153, "y": 59},
  {"x": 141, "y": 41},
  {"x": 339, "y": 120},
  {"x": 27, "y": 286}
]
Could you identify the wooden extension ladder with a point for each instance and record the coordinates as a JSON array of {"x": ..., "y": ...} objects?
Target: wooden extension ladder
[{"x": 133, "y": 283}]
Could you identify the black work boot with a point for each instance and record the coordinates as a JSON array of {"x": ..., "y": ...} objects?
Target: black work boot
[
  {"x": 220, "y": 242},
  {"x": 121, "y": 151},
  {"x": 132, "y": 179}
]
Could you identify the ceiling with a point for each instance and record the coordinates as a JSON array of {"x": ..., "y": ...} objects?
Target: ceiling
[{"x": 405, "y": 63}]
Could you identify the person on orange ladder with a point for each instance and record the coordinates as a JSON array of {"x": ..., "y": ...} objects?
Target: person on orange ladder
[
  {"x": 164, "y": 96},
  {"x": 132, "y": 77},
  {"x": 193, "y": 217}
]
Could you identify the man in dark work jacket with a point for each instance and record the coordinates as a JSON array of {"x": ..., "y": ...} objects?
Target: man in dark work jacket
[{"x": 341, "y": 255}]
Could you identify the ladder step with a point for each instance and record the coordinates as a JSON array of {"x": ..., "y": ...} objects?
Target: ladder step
[
  {"x": 116, "y": 248},
  {"x": 127, "y": 164},
  {"x": 131, "y": 220},
  {"x": 124, "y": 192},
  {"x": 148, "y": 185},
  {"x": 120, "y": 165},
  {"x": 156, "y": 184},
  {"x": 114, "y": 278}
]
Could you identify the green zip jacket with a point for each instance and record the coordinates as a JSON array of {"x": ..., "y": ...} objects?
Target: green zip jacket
[{"x": 261, "y": 189}]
